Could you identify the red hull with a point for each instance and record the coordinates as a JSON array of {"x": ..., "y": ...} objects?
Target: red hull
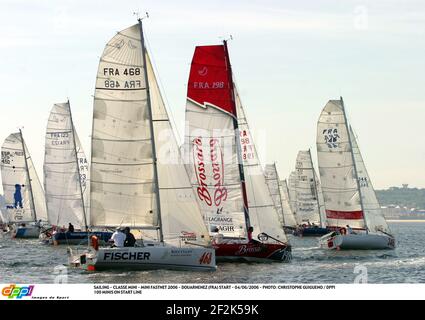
[{"x": 253, "y": 252}]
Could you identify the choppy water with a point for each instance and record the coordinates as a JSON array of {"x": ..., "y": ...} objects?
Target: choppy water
[{"x": 28, "y": 261}]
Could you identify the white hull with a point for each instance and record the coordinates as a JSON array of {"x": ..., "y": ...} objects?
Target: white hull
[
  {"x": 360, "y": 241},
  {"x": 148, "y": 258}
]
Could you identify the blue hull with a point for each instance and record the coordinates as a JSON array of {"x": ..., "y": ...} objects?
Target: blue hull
[
  {"x": 312, "y": 232},
  {"x": 80, "y": 237}
]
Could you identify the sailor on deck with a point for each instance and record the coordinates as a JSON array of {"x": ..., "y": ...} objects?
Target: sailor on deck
[{"x": 118, "y": 237}]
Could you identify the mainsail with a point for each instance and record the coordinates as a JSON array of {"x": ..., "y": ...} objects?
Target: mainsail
[
  {"x": 375, "y": 220},
  {"x": 210, "y": 144},
  {"x": 24, "y": 195},
  {"x": 265, "y": 217},
  {"x": 273, "y": 184},
  {"x": 288, "y": 212},
  {"x": 307, "y": 197},
  {"x": 292, "y": 180},
  {"x": 137, "y": 178},
  {"x": 337, "y": 169},
  {"x": 65, "y": 170}
]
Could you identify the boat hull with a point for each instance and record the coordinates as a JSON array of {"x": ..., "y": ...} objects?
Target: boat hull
[
  {"x": 362, "y": 241},
  {"x": 252, "y": 252},
  {"x": 311, "y": 232},
  {"x": 151, "y": 257},
  {"x": 26, "y": 233},
  {"x": 80, "y": 238}
]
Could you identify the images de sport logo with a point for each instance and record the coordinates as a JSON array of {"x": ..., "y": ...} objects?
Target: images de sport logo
[{"x": 13, "y": 291}]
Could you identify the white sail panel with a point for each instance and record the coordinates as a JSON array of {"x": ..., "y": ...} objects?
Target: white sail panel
[
  {"x": 272, "y": 180},
  {"x": 288, "y": 212},
  {"x": 83, "y": 168},
  {"x": 61, "y": 170},
  {"x": 337, "y": 172},
  {"x": 37, "y": 190},
  {"x": 375, "y": 220},
  {"x": 262, "y": 211},
  {"x": 180, "y": 212},
  {"x": 292, "y": 180},
  {"x": 210, "y": 134},
  {"x": 307, "y": 205},
  {"x": 121, "y": 176}
]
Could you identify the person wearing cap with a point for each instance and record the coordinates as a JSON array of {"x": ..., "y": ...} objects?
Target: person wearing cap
[
  {"x": 130, "y": 240},
  {"x": 118, "y": 237}
]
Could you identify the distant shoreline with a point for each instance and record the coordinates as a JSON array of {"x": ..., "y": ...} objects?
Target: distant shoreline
[{"x": 405, "y": 220}]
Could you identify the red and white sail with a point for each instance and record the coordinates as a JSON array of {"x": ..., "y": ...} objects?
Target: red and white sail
[
  {"x": 210, "y": 142},
  {"x": 337, "y": 169}
]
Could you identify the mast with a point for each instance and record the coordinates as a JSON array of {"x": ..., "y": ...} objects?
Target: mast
[
  {"x": 154, "y": 158},
  {"x": 237, "y": 136},
  {"x": 315, "y": 187},
  {"x": 354, "y": 164},
  {"x": 78, "y": 168},
  {"x": 28, "y": 173}
]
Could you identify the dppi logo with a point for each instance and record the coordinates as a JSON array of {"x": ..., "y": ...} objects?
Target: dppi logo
[
  {"x": 331, "y": 137},
  {"x": 13, "y": 291}
]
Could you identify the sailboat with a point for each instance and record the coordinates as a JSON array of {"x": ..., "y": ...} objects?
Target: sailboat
[
  {"x": 137, "y": 178},
  {"x": 224, "y": 167},
  {"x": 66, "y": 180},
  {"x": 24, "y": 195},
  {"x": 309, "y": 200},
  {"x": 352, "y": 209},
  {"x": 280, "y": 193}
]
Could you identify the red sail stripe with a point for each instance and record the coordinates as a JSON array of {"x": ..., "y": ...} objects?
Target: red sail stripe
[
  {"x": 209, "y": 81},
  {"x": 346, "y": 215}
]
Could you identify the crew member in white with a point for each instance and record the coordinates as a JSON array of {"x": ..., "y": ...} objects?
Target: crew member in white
[{"x": 118, "y": 237}]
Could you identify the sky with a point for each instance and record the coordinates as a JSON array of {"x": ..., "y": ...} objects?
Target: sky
[{"x": 289, "y": 58}]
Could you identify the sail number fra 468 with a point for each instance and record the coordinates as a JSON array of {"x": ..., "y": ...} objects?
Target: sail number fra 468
[{"x": 127, "y": 84}]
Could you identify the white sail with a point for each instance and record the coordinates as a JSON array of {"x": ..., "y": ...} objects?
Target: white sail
[
  {"x": 4, "y": 216},
  {"x": 337, "y": 171},
  {"x": 292, "y": 180},
  {"x": 180, "y": 211},
  {"x": 273, "y": 184},
  {"x": 23, "y": 193},
  {"x": 375, "y": 220},
  {"x": 83, "y": 168},
  {"x": 122, "y": 181},
  {"x": 307, "y": 205},
  {"x": 262, "y": 210},
  {"x": 62, "y": 174},
  {"x": 288, "y": 213}
]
